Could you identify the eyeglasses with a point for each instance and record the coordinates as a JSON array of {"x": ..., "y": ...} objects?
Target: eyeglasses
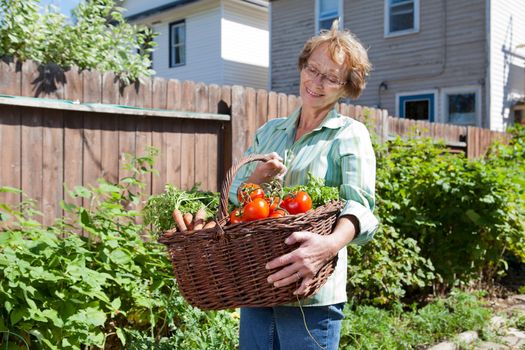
[{"x": 331, "y": 80}]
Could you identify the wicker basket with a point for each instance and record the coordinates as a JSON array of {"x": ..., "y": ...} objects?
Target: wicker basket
[{"x": 224, "y": 267}]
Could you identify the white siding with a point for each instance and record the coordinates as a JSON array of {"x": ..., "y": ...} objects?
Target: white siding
[
  {"x": 245, "y": 44},
  {"x": 507, "y": 30},
  {"x": 203, "y": 63}
]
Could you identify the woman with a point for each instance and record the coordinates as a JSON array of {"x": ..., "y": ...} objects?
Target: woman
[{"x": 316, "y": 139}]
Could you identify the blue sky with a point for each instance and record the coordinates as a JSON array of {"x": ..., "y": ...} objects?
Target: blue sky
[{"x": 65, "y": 5}]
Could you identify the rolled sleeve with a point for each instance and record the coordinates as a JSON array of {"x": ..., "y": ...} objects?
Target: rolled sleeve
[{"x": 368, "y": 223}]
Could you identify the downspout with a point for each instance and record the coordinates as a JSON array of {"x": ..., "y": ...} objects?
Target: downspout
[
  {"x": 488, "y": 73},
  {"x": 269, "y": 83}
]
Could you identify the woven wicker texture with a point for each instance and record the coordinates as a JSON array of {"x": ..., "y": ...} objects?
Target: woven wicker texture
[{"x": 224, "y": 267}]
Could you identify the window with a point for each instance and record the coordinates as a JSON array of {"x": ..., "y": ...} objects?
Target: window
[
  {"x": 462, "y": 106},
  {"x": 401, "y": 17},
  {"x": 327, "y": 12},
  {"x": 419, "y": 106},
  {"x": 177, "y": 43}
]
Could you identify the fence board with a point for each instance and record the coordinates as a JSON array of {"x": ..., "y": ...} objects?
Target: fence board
[
  {"x": 109, "y": 138},
  {"x": 173, "y": 140},
  {"x": 110, "y": 88},
  {"x": 187, "y": 146},
  {"x": 92, "y": 149},
  {"x": 52, "y": 165},
  {"x": 187, "y": 155},
  {"x": 11, "y": 78},
  {"x": 250, "y": 114},
  {"x": 73, "y": 152},
  {"x": 143, "y": 134},
  {"x": 239, "y": 123},
  {"x": 31, "y": 154},
  {"x": 74, "y": 87},
  {"x": 282, "y": 105},
  {"x": 160, "y": 101},
  {"x": 262, "y": 107},
  {"x": 273, "y": 105},
  {"x": 202, "y": 172},
  {"x": 174, "y": 98},
  {"x": 10, "y": 141}
]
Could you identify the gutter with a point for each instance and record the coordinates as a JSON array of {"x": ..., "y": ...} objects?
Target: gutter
[{"x": 159, "y": 9}]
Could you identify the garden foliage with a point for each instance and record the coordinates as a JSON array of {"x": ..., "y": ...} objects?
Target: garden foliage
[
  {"x": 445, "y": 220},
  {"x": 97, "y": 277},
  {"x": 98, "y": 38}
]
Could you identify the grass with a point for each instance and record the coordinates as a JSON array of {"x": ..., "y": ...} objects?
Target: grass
[{"x": 367, "y": 328}]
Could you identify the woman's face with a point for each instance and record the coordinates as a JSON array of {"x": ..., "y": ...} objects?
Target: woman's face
[{"x": 322, "y": 80}]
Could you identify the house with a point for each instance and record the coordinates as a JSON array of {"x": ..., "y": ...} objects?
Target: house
[
  {"x": 223, "y": 42},
  {"x": 460, "y": 62}
]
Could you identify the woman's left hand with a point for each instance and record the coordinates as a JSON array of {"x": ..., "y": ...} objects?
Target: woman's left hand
[{"x": 302, "y": 263}]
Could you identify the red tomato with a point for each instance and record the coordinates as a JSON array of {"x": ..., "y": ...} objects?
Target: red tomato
[
  {"x": 236, "y": 216},
  {"x": 278, "y": 213},
  {"x": 255, "y": 210},
  {"x": 297, "y": 202},
  {"x": 248, "y": 192},
  {"x": 273, "y": 202}
]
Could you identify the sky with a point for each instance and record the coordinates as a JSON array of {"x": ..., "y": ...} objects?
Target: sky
[{"x": 65, "y": 5}]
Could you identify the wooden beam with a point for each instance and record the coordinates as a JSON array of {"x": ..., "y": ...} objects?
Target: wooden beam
[{"x": 106, "y": 108}]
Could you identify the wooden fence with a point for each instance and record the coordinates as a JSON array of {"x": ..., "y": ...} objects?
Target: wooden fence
[{"x": 81, "y": 123}]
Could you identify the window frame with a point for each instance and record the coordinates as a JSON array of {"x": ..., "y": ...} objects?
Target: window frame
[
  {"x": 318, "y": 14},
  {"x": 172, "y": 46},
  {"x": 416, "y": 96},
  {"x": 415, "y": 28},
  {"x": 476, "y": 89}
]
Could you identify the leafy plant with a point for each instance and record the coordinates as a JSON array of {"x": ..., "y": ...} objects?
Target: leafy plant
[
  {"x": 461, "y": 212},
  {"x": 96, "y": 277},
  {"x": 159, "y": 208},
  {"x": 318, "y": 191},
  {"x": 98, "y": 39}
]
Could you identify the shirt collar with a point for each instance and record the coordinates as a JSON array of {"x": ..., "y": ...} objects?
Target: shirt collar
[{"x": 333, "y": 120}]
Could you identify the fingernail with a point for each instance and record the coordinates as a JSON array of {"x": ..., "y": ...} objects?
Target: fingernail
[
  {"x": 269, "y": 280},
  {"x": 266, "y": 267}
]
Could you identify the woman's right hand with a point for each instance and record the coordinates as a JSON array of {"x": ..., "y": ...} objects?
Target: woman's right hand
[{"x": 267, "y": 171}]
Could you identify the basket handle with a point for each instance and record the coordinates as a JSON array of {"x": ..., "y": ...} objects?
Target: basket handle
[{"x": 226, "y": 184}]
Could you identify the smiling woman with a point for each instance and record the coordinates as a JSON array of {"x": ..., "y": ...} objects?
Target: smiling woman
[{"x": 315, "y": 140}]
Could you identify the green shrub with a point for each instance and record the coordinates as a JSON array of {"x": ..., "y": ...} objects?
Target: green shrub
[
  {"x": 461, "y": 212},
  {"x": 96, "y": 278},
  {"x": 98, "y": 39}
]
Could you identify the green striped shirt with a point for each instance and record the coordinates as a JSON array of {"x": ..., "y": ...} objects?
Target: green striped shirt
[{"x": 340, "y": 151}]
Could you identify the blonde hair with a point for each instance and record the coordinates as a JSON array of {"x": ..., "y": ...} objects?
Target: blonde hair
[{"x": 341, "y": 43}]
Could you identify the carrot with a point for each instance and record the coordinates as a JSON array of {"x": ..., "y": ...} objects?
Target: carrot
[
  {"x": 179, "y": 220},
  {"x": 210, "y": 224},
  {"x": 198, "y": 222},
  {"x": 188, "y": 220}
]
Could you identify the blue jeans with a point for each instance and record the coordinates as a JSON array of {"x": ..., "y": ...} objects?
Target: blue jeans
[{"x": 283, "y": 328}]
